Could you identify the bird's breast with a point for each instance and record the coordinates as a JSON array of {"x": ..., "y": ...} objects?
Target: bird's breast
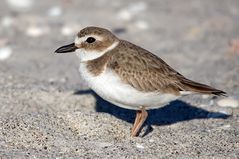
[{"x": 110, "y": 87}]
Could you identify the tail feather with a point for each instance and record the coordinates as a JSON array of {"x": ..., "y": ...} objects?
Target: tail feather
[{"x": 201, "y": 88}]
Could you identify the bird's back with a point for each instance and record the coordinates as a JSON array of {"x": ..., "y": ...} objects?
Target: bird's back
[{"x": 147, "y": 72}]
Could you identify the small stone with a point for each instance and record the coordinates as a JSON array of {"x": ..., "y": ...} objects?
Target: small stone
[
  {"x": 5, "y": 53},
  {"x": 205, "y": 96},
  {"x": 54, "y": 11},
  {"x": 22, "y": 5},
  {"x": 220, "y": 114},
  {"x": 137, "y": 7},
  {"x": 226, "y": 111},
  {"x": 35, "y": 31},
  {"x": 228, "y": 102},
  {"x": 70, "y": 29},
  {"x": 63, "y": 80},
  {"x": 104, "y": 144},
  {"x": 139, "y": 146},
  {"x": 214, "y": 115},
  {"x": 234, "y": 46},
  {"x": 202, "y": 105},
  {"x": 211, "y": 103},
  {"x": 225, "y": 127},
  {"x": 66, "y": 31},
  {"x": 133, "y": 9},
  {"x": 142, "y": 25},
  {"x": 7, "y": 21},
  {"x": 51, "y": 80},
  {"x": 124, "y": 15}
]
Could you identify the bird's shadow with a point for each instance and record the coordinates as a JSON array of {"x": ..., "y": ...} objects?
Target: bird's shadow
[{"x": 174, "y": 112}]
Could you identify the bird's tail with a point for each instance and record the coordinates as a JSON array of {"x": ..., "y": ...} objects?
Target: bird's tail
[{"x": 190, "y": 85}]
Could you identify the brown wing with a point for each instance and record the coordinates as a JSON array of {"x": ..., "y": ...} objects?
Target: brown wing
[{"x": 147, "y": 72}]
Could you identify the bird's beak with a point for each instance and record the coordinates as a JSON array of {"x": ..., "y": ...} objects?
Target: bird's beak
[{"x": 67, "y": 48}]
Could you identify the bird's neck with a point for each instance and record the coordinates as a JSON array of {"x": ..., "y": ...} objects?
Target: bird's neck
[{"x": 88, "y": 55}]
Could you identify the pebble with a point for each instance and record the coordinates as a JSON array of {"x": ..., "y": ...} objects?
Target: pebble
[
  {"x": 127, "y": 13},
  {"x": 63, "y": 80},
  {"x": 70, "y": 29},
  {"x": 211, "y": 103},
  {"x": 67, "y": 31},
  {"x": 20, "y": 5},
  {"x": 51, "y": 80},
  {"x": 223, "y": 112},
  {"x": 151, "y": 140},
  {"x": 226, "y": 111},
  {"x": 124, "y": 15},
  {"x": 225, "y": 127},
  {"x": 234, "y": 46},
  {"x": 202, "y": 105},
  {"x": 205, "y": 96},
  {"x": 35, "y": 31},
  {"x": 104, "y": 144},
  {"x": 54, "y": 11},
  {"x": 142, "y": 25},
  {"x": 137, "y": 7},
  {"x": 228, "y": 102},
  {"x": 7, "y": 21},
  {"x": 139, "y": 146},
  {"x": 5, "y": 53},
  {"x": 214, "y": 115},
  {"x": 54, "y": 80}
]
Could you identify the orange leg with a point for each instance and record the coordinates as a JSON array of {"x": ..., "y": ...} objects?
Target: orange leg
[
  {"x": 137, "y": 119},
  {"x": 141, "y": 116}
]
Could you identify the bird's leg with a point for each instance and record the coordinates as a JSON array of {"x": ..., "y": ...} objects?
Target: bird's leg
[
  {"x": 137, "y": 119},
  {"x": 141, "y": 116}
]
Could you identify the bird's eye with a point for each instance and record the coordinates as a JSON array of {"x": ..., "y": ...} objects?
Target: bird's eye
[{"x": 90, "y": 40}]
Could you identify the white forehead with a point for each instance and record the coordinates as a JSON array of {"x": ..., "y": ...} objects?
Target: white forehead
[{"x": 82, "y": 39}]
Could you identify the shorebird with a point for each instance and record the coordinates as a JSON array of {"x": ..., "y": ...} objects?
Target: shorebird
[{"x": 127, "y": 75}]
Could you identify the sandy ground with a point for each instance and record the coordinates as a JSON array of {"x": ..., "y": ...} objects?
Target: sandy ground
[{"x": 47, "y": 110}]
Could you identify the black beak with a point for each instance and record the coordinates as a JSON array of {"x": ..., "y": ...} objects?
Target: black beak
[{"x": 66, "y": 49}]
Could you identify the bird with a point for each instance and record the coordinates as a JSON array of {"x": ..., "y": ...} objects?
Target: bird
[{"x": 128, "y": 75}]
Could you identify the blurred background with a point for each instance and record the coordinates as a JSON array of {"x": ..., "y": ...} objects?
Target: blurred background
[
  {"x": 190, "y": 35},
  {"x": 200, "y": 39}
]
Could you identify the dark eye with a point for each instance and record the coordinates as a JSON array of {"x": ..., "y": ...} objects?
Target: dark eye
[{"x": 90, "y": 40}]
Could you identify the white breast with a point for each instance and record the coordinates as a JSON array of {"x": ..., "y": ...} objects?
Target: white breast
[{"x": 109, "y": 86}]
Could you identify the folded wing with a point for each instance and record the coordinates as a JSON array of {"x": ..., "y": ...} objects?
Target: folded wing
[{"x": 147, "y": 72}]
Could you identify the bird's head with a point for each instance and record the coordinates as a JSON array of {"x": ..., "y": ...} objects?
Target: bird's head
[{"x": 91, "y": 43}]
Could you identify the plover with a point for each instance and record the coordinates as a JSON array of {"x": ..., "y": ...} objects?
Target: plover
[{"x": 127, "y": 75}]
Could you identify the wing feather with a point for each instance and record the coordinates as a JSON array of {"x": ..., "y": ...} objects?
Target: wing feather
[
  {"x": 142, "y": 70},
  {"x": 147, "y": 72}
]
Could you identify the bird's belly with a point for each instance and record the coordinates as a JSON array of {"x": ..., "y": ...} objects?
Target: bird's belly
[{"x": 111, "y": 88}]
